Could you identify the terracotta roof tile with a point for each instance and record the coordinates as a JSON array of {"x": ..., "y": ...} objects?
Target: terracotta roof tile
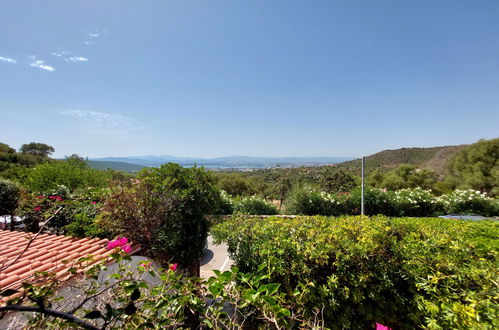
[{"x": 45, "y": 253}]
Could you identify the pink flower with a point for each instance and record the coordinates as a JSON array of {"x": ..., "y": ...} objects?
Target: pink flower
[
  {"x": 127, "y": 248},
  {"x": 173, "y": 267},
  {"x": 41, "y": 196},
  {"x": 380, "y": 326},
  {"x": 121, "y": 242},
  {"x": 111, "y": 245},
  {"x": 38, "y": 208},
  {"x": 94, "y": 202},
  {"x": 146, "y": 265}
]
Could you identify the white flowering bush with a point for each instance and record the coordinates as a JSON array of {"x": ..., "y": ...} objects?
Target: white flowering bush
[
  {"x": 468, "y": 201},
  {"x": 254, "y": 205},
  {"x": 312, "y": 202},
  {"x": 225, "y": 204},
  {"x": 58, "y": 190},
  {"x": 415, "y": 202}
]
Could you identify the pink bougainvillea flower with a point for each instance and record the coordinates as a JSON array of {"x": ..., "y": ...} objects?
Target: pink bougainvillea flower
[
  {"x": 127, "y": 248},
  {"x": 173, "y": 267},
  {"x": 120, "y": 242},
  {"x": 146, "y": 264},
  {"x": 38, "y": 208},
  {"x": 111, "y": 245},
  {"x": 380, "y": 326}
]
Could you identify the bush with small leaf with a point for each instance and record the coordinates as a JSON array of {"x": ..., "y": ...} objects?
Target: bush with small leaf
[{"x": 253, "y": 205}]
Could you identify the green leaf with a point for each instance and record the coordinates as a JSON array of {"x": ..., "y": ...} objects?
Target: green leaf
[{"x": 272, "y": 288}]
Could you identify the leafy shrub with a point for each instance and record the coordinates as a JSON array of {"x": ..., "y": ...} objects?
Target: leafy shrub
[
  {"x": 415, "y": 202},
  {"x": 164, "y": 211},
  {"x": 376, "y": 201},
  {"x": 225, "y": 204},
  {"x": 71, "y": 173},
  {"x": 9, "y": 197},
  {"x": 75, "y": 217},
  {"x": 468, "y": 201},
  {"x": 254, "y": 205},
  {"x": 135, "y": 293},
  {"x": 83, "y": 223},
  {"x": 403, "y": 272},
  {"x": 476, "y": 167},
  {"x": 312, "y": 202}
]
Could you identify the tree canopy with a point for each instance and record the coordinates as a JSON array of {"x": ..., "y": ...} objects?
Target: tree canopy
[
  {"x": 476, "y": 167},
  {"x": 37, "y": 149}
]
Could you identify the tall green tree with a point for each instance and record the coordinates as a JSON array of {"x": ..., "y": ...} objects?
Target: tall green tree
[
  {"x": 37, "y": 149},
  {"x": 476, "y": 167},
  {"x": 335, "y": 180},
  {"x": 403, "y": 176}
]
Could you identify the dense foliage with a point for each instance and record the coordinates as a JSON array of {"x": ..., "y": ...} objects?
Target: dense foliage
[
  {"x": 73, "y": 173},
  {"x": 404, "y": 202},
  {"x": 476, "y": 167},
  {"x": 401, "y": 177},
  {"x": 163, "y": 210},
  {"x": 140, "y": 295},
  {"x": 253, "y": 205},
  {"x": 404, "y": 272},
  {"x": 37, "y": 149},
  {"x": 9, "y": 198}
]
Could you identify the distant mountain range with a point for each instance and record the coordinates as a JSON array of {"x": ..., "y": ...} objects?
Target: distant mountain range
[
  {"x": 135, "y": 163},
  {"x": 434, "y": 158}
]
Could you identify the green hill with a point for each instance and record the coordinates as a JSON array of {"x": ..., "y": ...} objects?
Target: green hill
[
  {"x": 122, "y": 166},
  {"x": 434, "y": 158}
]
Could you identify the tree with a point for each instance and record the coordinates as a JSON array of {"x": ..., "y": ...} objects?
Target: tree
[
  {"x": 9, "y": 199},
  {"x": 235, "y": 184},
  {"x": 403, "y": 176},
  {"x": 164, "y": 210},
  {"x": 37, "y": 149},
  {"x": 6, "y": 148},
  {"x": 282, "y": 187},
  {"x": 72, "y": 173},
  {"x": 333, "y": 180},
  {"x": 476, "y": 167}
]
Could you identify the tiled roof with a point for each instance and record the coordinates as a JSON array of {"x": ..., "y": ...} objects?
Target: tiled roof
[{"x": 45, "y": 253}]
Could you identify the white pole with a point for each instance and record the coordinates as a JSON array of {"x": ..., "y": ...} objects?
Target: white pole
[{"x": 362, "y": 199}]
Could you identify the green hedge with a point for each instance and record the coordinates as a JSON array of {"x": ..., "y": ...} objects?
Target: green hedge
[
  {"x": 415, "y": 202},
  {"x": 403, "y": 272}
]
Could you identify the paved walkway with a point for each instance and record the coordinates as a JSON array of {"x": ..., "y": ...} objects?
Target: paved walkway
[{"x": 216, "y": 257}]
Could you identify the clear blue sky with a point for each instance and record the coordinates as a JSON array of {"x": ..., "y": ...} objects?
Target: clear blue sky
[{"x": 259, "y": 77}]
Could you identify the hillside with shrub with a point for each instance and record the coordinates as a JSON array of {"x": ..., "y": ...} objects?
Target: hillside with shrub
[{"x": 434, "y": 159}]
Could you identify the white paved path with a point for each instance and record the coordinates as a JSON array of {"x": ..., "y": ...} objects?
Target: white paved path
[{"x": 216, "y": 257}]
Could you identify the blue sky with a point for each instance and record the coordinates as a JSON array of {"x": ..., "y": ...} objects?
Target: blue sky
[{"x": 258, "y": 78}]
